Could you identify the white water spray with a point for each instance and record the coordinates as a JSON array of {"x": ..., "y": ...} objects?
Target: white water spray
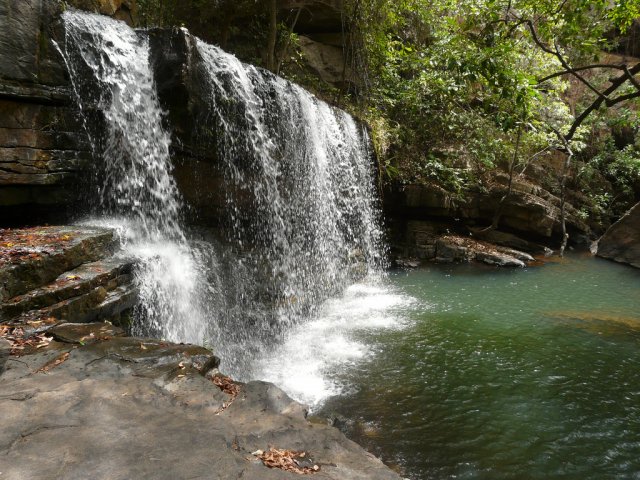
[{"x": 110, "y": 69}]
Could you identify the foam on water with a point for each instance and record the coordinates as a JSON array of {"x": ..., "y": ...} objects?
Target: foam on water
[{"x": 306, "y": 364}]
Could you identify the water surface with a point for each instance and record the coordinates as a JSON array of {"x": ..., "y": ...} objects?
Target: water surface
[{"x": 489, "y": 373}]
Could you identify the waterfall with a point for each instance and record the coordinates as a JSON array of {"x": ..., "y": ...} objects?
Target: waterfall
[
  {"x": 311, "y": 227},
  {"x": 302, "y": 223},
  {"x": 110, "y": 72}
]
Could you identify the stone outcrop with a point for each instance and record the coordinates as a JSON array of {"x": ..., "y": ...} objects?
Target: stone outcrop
[
  {"x": 182, "y": 85},
  {"x": 325, "y": 61},
  {"x": 92, "y": 400},
  {"x": 71, "y": 274},
  {"x": 530, "y": 211},
  {"x": 622, "y": 241},
  {"x": 45, "y": 154},
  {"x": 422, "y": 241},
  {"x": 125, "y": 10}
]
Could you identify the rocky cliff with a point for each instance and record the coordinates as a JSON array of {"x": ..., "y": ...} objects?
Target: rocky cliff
[
  {"x": 45, "y": 155},
  {"x": 43, "y": 150}
]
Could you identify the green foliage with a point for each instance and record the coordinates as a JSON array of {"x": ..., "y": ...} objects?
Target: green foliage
[{"x": 453, "y": 86}]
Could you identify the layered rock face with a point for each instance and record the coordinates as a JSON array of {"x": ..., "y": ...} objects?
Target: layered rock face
[
  {"x": 529, "y": 211},
  {"x": 622, "y": 241},
  {"x": 71, "y": 273},
  {"x": 43, "y": 148},
  {"x": 45, "y": 153}
]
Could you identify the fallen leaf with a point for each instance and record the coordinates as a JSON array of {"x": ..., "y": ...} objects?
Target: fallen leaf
[
  {"x": 285, "y": 460},
  {"x": 227, "y": 385},
  {"x": 53, "y": 363}
]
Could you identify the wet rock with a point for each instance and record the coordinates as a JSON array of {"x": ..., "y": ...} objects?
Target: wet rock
[
  {"x": 43, "y": 147},
  {"x": 407, "y": 263},
  {"x": 26, "y": 52},
  {"x": 621, "y": 242},
  {"x": 109, "y": 273},
  {"x": 532, "y": 211},
  {"x": 499, "y": 259},
  {"x": 31, "y": 258},
  {"x": 454, "y": 248},
  {"x": 522, "y": 256},
  {"x": 508, "y": 240},
  {"x": 84, "y": 333}
]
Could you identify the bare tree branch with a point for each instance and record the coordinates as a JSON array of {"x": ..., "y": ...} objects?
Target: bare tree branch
[
  {"x": 580, "y": 69},
  {"x": 598, "y": 102}
]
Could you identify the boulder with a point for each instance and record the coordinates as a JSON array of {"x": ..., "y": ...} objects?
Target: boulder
[
  {"x": 455, "y": 248},
  {"x": 125, "y": 10},
  {"x": 325, "y": 61},
  {"x": 621, "y": 242}
]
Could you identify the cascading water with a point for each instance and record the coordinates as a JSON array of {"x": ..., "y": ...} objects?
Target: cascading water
[
  {"x": 303, "y": 225},
  {"x": 310, "y": 224},
  {"x": 110, "y": 70}
]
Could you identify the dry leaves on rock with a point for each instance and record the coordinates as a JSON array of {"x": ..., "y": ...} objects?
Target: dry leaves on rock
[
  {"x": 285, "y": 460},
  {"x": 29, "y": 243},
  {"x": 51, "y": 364},
  {"x": 20, "y": 342},
  {"x": 228, "y": 386}
]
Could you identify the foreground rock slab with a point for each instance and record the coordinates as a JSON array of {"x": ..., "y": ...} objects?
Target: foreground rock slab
[{"x": 95, "y": 404}]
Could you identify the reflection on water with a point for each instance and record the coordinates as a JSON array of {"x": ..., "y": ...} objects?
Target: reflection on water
[{"x": 495, "y": 374}]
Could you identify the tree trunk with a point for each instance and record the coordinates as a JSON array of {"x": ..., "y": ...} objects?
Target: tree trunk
[
  {"x": 512, "y": 167},
  {"x": 563, "y": 193},
  {"x": 285, "y": 49},
  {"x": 273, "y": 34}
]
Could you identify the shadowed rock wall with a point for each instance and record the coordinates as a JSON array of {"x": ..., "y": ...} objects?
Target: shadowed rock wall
[
  {"x": 42, "y": 145},
  {"x": 44, "y": 151}
]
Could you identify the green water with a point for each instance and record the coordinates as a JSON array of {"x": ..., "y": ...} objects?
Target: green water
[{"x": 504, "y": 374}]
